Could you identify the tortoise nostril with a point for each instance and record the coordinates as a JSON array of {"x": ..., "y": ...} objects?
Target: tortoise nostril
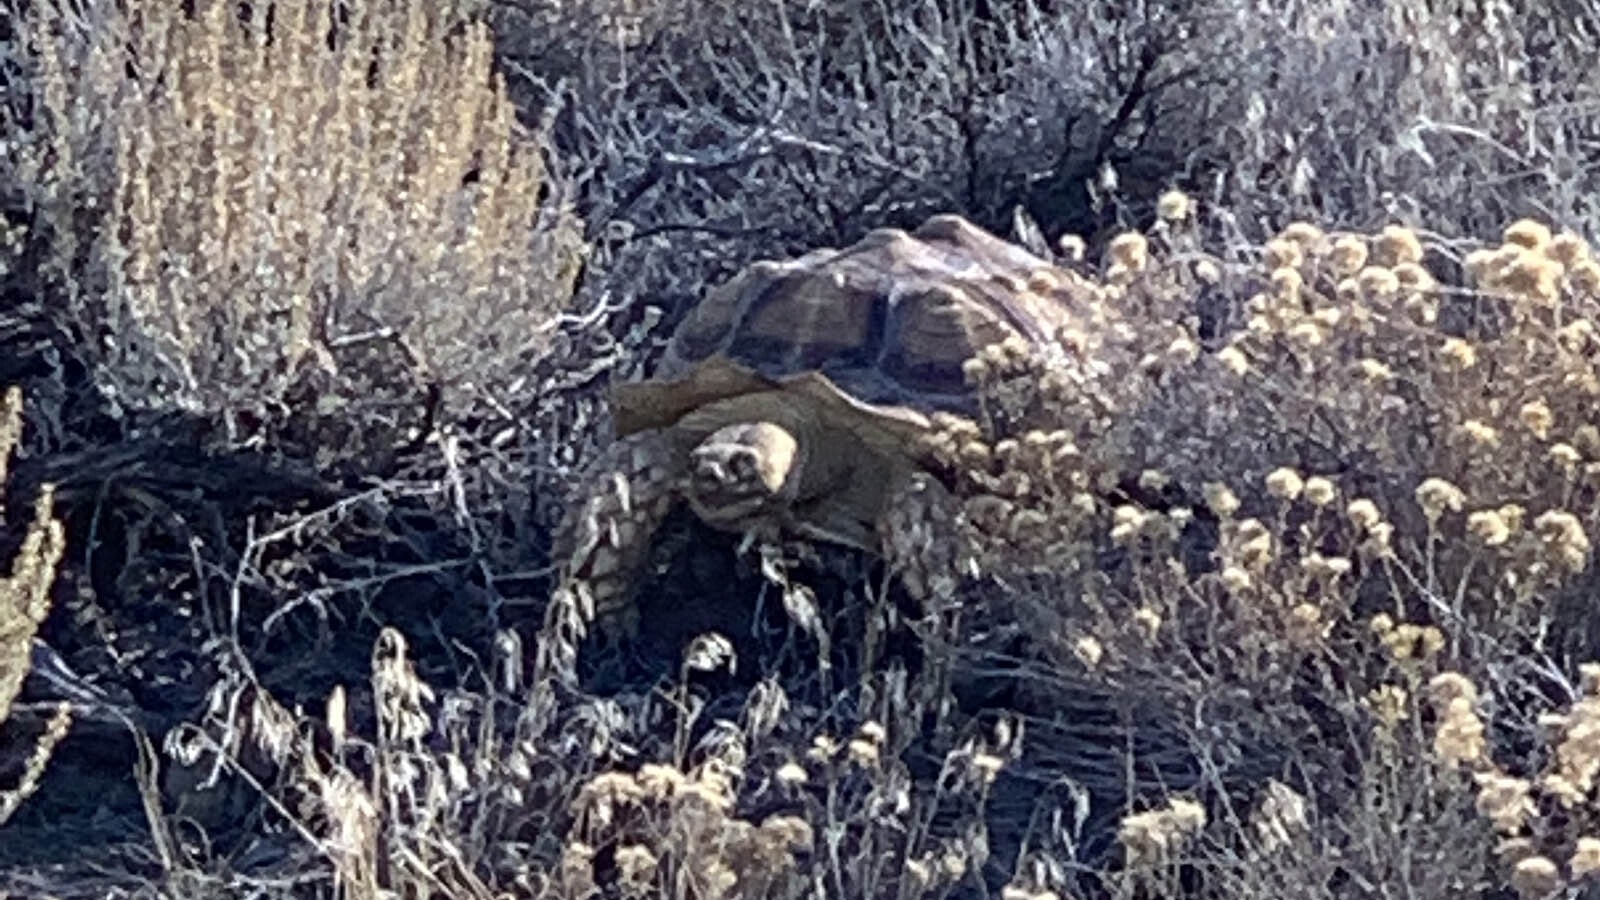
[
  {"x": 744, "y": 466},
  {"x": 708, "y": 469}
]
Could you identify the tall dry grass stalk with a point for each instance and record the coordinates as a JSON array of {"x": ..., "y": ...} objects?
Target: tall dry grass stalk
[{"x": 24, "y": 602}]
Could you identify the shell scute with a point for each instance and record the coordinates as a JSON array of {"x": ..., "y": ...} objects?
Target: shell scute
[{"x": 888, "y": 320}]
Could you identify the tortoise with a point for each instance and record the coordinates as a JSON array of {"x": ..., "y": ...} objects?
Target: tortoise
[{"x": 797, "y": 399}]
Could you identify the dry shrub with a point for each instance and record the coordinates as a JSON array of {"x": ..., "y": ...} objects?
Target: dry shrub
[
  {"x": 1382, "y": 472},
  {"x": 413, "y": 789},
  {"x": 1537, "y": 797},
  {"x": 24, "y": 602},
  {"x": 1449, "y": 426},
  {"x": 1368, "y": 441},
  {"x": 240, "y": 201},
  {"x": 678, "y": 834},
  {"x": 393, "y": 789}
]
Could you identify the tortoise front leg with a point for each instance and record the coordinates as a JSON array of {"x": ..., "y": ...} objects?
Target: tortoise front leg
[
  {"x": 922, "y": 540},
  {"x": 602, "y": 543}
]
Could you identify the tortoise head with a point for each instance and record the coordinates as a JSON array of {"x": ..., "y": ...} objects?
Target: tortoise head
[{"x": 742, "y": 474}]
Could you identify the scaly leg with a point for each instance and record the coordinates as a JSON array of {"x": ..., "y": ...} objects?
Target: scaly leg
[
  {"x": 921, "y": 539},
  {"x": 604, "y": 538}
]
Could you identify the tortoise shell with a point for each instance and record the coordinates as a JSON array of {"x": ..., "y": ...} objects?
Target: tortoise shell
[{"x": 882, "y": 326}]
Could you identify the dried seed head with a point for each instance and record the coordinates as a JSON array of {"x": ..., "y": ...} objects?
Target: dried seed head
[
  {"x": 1320, "y": 491},
  {"x": 1305, "y": 234},
  {"x": 1280, "y": 255},
  {"x": 1154, "y": 479},
  {"x": 987, "y": 766},
  {"x": 1585, "y": 276},
  {"x": 1480, "y": 265},
  {"x": 1018, "y": 351},
  {"x": 1378, "y": 283},
  {"x": 1234, "y": 360},
  {"x": 873, "y": 732},
  {"x": 1534, "y": 275},
  {"x": 1564, "y": 538},
  {"x": 1388, "y": 703},
  {"x": 1306, "y": 335},
  {"x": 1430, "y": 641},
  {"x": 1220, "y": 499},
  {"x": 862, "y": 753},
  {"x": 1458, "y": 355},
  {"x": 636, "y": 865},
  {"x": 1325, "y": 567},
  {"x": 1414, "y": 277},
  {"x": 1535, "y": 876},
  {"x": 1284, "y": 483},
  {"x": 1148, "y": 621},
  {"x": 823, "y": 749},
  {"x": 1437, "y": 496},
  {"x": 1576, "y": 336},
  {"x": 1512, "y": 514},
  {"x": 1480, "y": 433},
  {"x": 792, "y": 833},
  {"x": 1005, "y": 452},
  {"x": 1568, "y": 248},
  {"x": 1305, "y": 624},
  {"x": 1446, "y": 688},
  {"x": 1459, "y": 739},
  {"x": 1372, "y": 371},
  {"x": 1504, "y": 800},
  {"x": 1286, "y": 284},
  {"x": 792, "y": 774},
  {"x": 1173, "y": 206},
  {"x": 1130, "y": 250},
  {"x": 1183, "y": 351},
  {"x": 1235, "y": 579},
  {"x": 958, "y": 428},
  {"x": 1028, "y": 527},
  {"x": 1126, "y": 524},
  {"x": 1562, "y": 788},
  {"x": 1072, "y": 247},
  {"x": 1378, "y": 541},
  {"x": 1397, "y": 244},
  {"x": 1488, "y": 526},
  {"x": 1585, "y": 857},
  {"x": 1566, "y": 457},
  {"x": 1088, "y": 650},
  {"x": 1589, "y": 679},
  {"x": 1363, "y": 514},
  {"x": 976, "y": 456},
  {"x": 1187, "y": 815},
  {"x": 1403, "y": 642},
  {"x": 1527, "y": 233},
  {"x": 919, "y": 876}
]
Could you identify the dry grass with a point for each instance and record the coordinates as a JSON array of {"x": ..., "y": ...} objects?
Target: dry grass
[
  {"x": 1293, "y": 589},
  {"x": 24, "y": 602}
]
